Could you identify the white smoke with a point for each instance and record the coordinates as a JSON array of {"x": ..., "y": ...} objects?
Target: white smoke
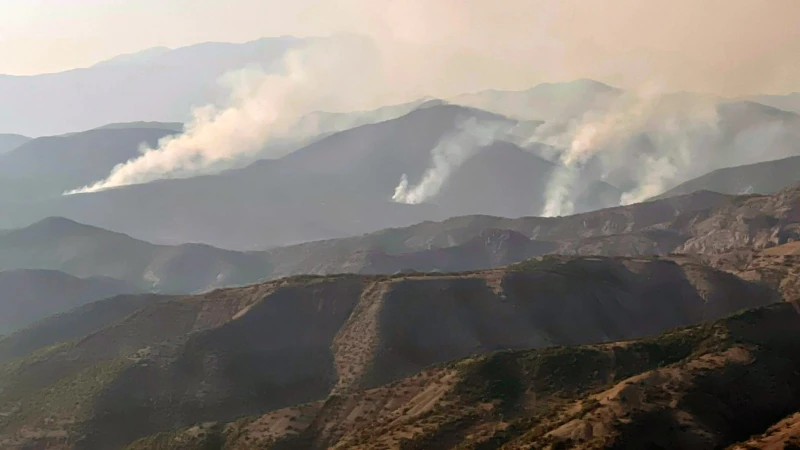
[
  {"x": 675, "y": 129},
  {"x": 595, "y": 131},
  {"x": 559, "y": 194},
  {"x": 262, "y": 107},
  {"x": 449, "y": 154}
]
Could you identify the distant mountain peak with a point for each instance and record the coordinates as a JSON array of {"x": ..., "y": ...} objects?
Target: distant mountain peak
[
  {"x": 139, "y": 57},
  {"x": 584, "y": 83},
  {"x": 58, "y": 223}
]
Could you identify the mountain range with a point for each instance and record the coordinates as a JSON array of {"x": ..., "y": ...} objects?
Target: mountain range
[
  {"x": 344, "y": 180},
  {"x": 383, "y": 279},
  {"x": 702, "y": 223},
  {"x": 246, "y": 351},
  {"x": 761, "y": 178},
  {"x": 160, "y": 85}
]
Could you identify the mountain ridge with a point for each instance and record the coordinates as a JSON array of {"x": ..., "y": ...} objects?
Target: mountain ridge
[
  {"x": 28, "y": 295},
  {"x": 305, "y": 337}
]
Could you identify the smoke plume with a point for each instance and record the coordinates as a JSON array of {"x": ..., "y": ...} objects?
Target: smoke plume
[
  {"x": 445, "y": 48},
  {"x": 264, "y": 105},
  {"x": 612, "y": 140},
  {"x": 449, "y": 154}
]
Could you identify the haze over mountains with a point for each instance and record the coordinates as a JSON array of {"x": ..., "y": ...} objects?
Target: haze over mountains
[
  {"x": 171, "y": 81},
  {"x": 494, "y": 269},
  {"x": 343, "y": 183}
]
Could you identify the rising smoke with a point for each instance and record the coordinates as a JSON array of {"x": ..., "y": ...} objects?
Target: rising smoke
[
  {"x": 449, "y": 154},
  {"x": 264, "y": 106},
  {"x": 607, "y": 139},
  {"x": 448, "y": 47}
]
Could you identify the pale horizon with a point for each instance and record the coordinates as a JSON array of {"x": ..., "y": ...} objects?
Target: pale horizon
[{"x": 729, "y": 48}]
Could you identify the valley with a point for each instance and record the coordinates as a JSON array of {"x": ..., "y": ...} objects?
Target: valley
[{"x": 399, "y": 225}]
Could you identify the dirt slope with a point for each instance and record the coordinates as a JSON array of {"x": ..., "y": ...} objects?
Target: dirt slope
[
  {"x": 247, "y": 351},
  {"x": 702, "y": 387}
]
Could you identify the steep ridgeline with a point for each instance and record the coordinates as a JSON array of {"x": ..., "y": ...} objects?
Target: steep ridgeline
[
  {"x": 655, "y": 227},
  {"x": 761, "y": 178},
  {"x": 60, "y": 244},
  {"x": 247, "y": 351},
  {"x": 45, "y": 167},
  {"x": 73, "y": 324},
  {"x": 9, "y": 142}
]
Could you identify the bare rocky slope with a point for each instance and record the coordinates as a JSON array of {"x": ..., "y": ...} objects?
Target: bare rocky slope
[
  {"x": 729, "y": 383},
  {"x": 717, "y": 385},
  {"x": 242, "y": 352}
]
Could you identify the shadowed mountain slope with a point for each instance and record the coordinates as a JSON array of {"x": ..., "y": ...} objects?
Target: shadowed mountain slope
[
  {"x": 29, "y": 295},
  {"x": 703, "y": 387},
  {"x": 9, "y": 142},
  {"x": 161, "y": 84},
  {"x": 762, "y": 178},
  {"x": 702, "y": 222},
  {"x": 45, "y": 167},
  {"x": 72, "y": 324},
  {"x": 337, "y": 186},
  {"x": 80, "y": 250},
  {"x": 246, "y": 351}
]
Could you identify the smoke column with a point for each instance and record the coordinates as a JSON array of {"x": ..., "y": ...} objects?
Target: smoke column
[
  {"x": 679, "y": 132},
  {"x": 262, "y": 107},
  {"x": 595, "y": 131},
  {"x": 449, "y": 154}
]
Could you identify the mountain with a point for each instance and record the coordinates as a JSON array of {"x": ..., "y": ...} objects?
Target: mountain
[
  {"x": 29, "y": 295},
  {"x": 712, "y": 134},
  {"x": 176, "y": 127},
  {"x": 715, "y": 133},
  {"x": 45, "y": 167},
  {"x": 319, "y": 124},
  {"x": 341, "y": 183},
  {"x": 761, "y": 178},
  {"x": 491, "y": 248},
  {"x": 72, "y": 324},
  {"x": 702, "y": 223},
  {"x": 788, "y": 102},
  {"x": 84, "y": 251},
  {"x": 547, "y": 101},
  {"x": 728, "y": 384},
  {"x": 338, "y": 186},
  {"x": 246, "y": 351},
  {"x": 656, "y": 227},
  {"x": 140, "y": 57},
  {"x": 9, "y": 142},
  {"x": 161, "y": 84}
]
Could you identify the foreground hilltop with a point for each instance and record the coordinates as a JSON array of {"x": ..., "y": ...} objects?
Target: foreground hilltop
[
  {"x": 703, "y": 387},
  {"x": 239, "y": 352}
]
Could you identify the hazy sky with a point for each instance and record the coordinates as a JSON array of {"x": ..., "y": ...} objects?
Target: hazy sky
[{"x": 718, "y": 46}]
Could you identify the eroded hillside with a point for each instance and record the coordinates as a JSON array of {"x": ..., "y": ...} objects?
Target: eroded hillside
[
  {"x": 246, "y": 351},
  {"x": 702, "y": 387}
]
